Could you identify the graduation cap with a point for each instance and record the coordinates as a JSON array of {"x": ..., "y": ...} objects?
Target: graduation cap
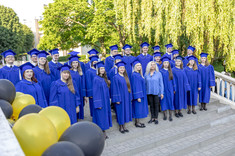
[
  {"x": 156, "y": 48},
  {"x": 192, "y": 58},
  {"x": 169, "y": 45},
  {"x": 26, "y": 66},
  {"x": 33, "y": 52},
  {"x": 94, "y": 58},
  {"x": 126, "y": 46},
  {"x": 54, "y": 51},
  {"x": 121, "y": 63},
  {"x": 99, "y": 64},
  {"x": 73, "y": 53},
  {"x": 179, "y": 58},
  {"x": 144, "y": 44},
  {"x": 175, "y": 52},
  {"x": 73, "y": 58},
  {"x": 165, "y": 58},
  {"x": 191, "y": 48},
  {"x": 117, "y": 57},
  {"x": 7, "y": 53},
  {"x": 157, "y": 54},
  {"x": 64, "y": 67},
  {"x": 203, "y": 54},
  {"x": 134, "y": 62},
  {"x": 42, "y": 53},
  {"x": 93, "y": 51},
  {"x": 113, "y": 47}
]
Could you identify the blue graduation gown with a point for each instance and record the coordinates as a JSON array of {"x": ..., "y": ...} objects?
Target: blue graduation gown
[
  {"x": 194, "y": 79},
  {"x": 45, "y": 81},
  {"x": 181, "y": 88},
  {"x": 109, "y": 62},
  {"x": 119, "y": 93},
  {"x": 11, "y": 74},
  {"x": 55, "y": 73},
  {"x": 185, "y": 61},
  {"x": 172, "y": 62},
  {"x": 61, "y": 96},
  {"x": 128, "y": 60},
  {"x": 90, "y": 75},
  {"x": 139, "y": 109},
  {"x": 33, "y": 89},
  {"x": 167, "y": 103},
  {"x": 101, "y": 99},
  {"x": 87, "y": 66},
  {"x": 80, "y": 82},
  {"x": 207, "y": 80},
  {"x": 159, "y": 66},
  {"x": 112, "y": 72},
  {"x": 144, "y": 60}
]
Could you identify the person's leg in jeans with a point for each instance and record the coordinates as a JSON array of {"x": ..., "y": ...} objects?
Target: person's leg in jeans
[
  {"x": 150, "y": 101},
  {"x": 156, "y": 105}
]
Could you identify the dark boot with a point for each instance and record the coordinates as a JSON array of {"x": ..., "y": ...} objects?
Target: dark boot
[
  {"x": 205, "y": 107},
  {"x": 170, "y": 115},
  {"x": 164, "y": 115},
  {"x": 202, "y": 107},
  {"x": 193, "y": 110}
]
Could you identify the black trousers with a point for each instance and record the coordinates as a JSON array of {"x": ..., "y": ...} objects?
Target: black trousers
[{"x": 153, "y": 101}]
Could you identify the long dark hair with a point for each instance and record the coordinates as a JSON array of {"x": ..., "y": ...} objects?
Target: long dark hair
[
  {"x": 169, "y": 71},
  {"x": 127, "y": 81},
  {"x": 104, "y": 76}
]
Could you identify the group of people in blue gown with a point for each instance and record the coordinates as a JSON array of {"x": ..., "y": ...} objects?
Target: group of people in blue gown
[{"x": 166, "y": 82}]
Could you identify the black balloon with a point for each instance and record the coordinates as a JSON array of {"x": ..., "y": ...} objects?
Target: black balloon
[
  {"x": 6, "y": 108},
  {"x": 7, "y": 90},
  {"x": 86, "y": 135},
  {"x": 63, "y": 148},
  {"x": 30, "y": 109}
]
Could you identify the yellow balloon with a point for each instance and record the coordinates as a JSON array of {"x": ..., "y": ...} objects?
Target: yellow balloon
[
  {"x": 19, "y": 103},
  {"x": 18, "y": 94},
  {"x": 35, "y": 134},
  {"x": 58, "y": 117}
]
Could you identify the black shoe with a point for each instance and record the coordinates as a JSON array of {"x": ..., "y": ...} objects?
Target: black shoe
[
  {"x": 180, "y": 114},
  {"x": 150, "y": 121},
  {"x": 170, "y": 118},
  {"x": 143, "y": 125},
  {"x": 201, "y": 108},
  {"x": 189, "y": 112},
  {"x": 122, "y": 131},
  {"x": 177, "y": 115},
  {"x": 205, "y": 107},
  {"x": 156, "y": 122},
  {"x": 194, "y": 112},
  {"x": 106, "y": 137},
  {"x": 139, "y": 125},
  {"x": 164, "y": 118},
  {"x": 126, "y": 130}
]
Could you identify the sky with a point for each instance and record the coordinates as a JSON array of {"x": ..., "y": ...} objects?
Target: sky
[{"x": 26, "y": 9}]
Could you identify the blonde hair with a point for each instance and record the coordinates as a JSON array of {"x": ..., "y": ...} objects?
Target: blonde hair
[
  {"x": 206, "y": 63},
  {"x": 194, "y": 65},
  {"x": 149, "y": 66},
  {"x": 46, "y": 67},
  {"x": 70, "y": 82},
  {"x": 141, "y": 72}
]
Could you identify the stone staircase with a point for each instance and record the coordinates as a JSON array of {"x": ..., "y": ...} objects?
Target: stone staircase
[{"x": 209, "y": 132}]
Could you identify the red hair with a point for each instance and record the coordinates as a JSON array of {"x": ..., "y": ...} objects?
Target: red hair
[{"x": 33, "y": 77}]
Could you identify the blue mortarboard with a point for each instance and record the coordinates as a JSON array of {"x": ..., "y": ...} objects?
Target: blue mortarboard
[
  {"x": 64, "y": 67},
  {"x": 33, "y": 52},
  {"x": 117, "y": 57},
  {"x": 157, "y": 54},
  {"x": 73, "y": 53},
  {"x": 156, "y": 48},
  {"x": 175, "y": 52},
  {"x": 121, "y": 63},
  {"x": 8, "y": 52},
  {"x": 93, "y": 51},
  {"x": 113, "y": 47},
  {"x": 165, "y": 58},
  {"x": 192, "y": 58},
  {"x": 169, "y": 45},
  {"x": 99, "y": 64},
  {"x": 42, "y": 53},
  {"x": 191, "y": 48},
  {"x": 134, "y": 62},
  {"x": 203, "y": 54},
  {"x": 126, "y": 46},
  {"x": 94, "y": 58},
  {"x": 144, "y": 44},
  {"x": 179, "y": 58},
  {"x": 26, "y": 66},
  {"x": 54, "y": 51},
  {"x": 73, "y": 58}
]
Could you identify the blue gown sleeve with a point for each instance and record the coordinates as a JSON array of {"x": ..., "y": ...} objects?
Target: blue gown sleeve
[
  {"x": 77, "y": 95},
  {"x": 115, "y": 92},
  {"x": 137, "y": 89},
  {"x": 88, "y": 84},
  {"x": 161, "y": 84},
  {"x": 97, "y": 94},
  {"x": 186, "y": 82},
  {"x": 199, "y": 79},
  {"x": 212, "y": 76},
  {"x": 83, "y": 85},
  {"x": 53, "y": 100},
  {"x": 19, "y": 87}
]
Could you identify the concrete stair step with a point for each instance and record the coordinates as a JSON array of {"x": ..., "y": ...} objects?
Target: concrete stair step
[
  {"x": 192, "y": 142},
  {"x": 144, "y": 139}
]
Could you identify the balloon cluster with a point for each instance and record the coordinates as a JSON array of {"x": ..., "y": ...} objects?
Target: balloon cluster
[{"x": 47, "y": 131}]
